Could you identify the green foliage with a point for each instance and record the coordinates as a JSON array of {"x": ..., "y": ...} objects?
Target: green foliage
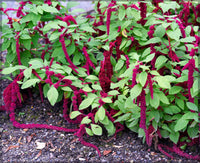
[{"x": 145, "y": 68}]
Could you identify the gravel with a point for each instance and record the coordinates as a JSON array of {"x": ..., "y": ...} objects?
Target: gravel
[{"x": 42, "y": 145}]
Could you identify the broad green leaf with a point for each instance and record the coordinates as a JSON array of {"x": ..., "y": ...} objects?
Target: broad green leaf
[
  {"x": 160, "y": 31},
  {"x": 29, "y": 83},
  {"x": 107, "y": 100},
  {"x": 163, "y": 98},
  {"x": 50, "y": 9},
  {"x": 181, "y": 124},
  {"x": 165, "y": 6},
  {"x": 92, "y": 77},
  {"x": 96, "y": 87},
  {"x": 110, "y": 128},
  {"x": 101, "y": 113},
  {"x": 188, "y": 39},
  {"x": 172, "y": 109},
  {"x": 163, "y": 82},
  {"x": 191, "y": 115},
  {"x": 113, "y": 92},
  {"x": 28, "y": 72},
  {"x": 75, "y": 114},
  {"x": 155, "y": 102},
  {"x": 86, "y": 103},
  {"x": 119, "y": 65},
  {"x": 143, "y": 78},
  {"x": 193, "y": 131},
  {"x": 123, "y": 117},
  {"x": 192, "y": 106},
  {"x": 96, "y": 129},
  {"x": 9, "y": 70},
  {"x": 153, "y": 40},
  {"x": 135, "y": 91},
  {"x": 52, "y": 95},
  {"x": 86, "y": 120},
  {"x": 122, "y": 13},
  {"x": 149, "y": 57},
  {"x": 174, "y": 137},
  {"x": 160, "y": 61},
  {"x": 180, "y": 103},
  {"x": 87, "y": 28},
  {"x": 89, "y": 131},
  {"x": 175, "y": 90}
]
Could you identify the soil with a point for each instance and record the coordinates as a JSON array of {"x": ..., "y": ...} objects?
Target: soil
[{"x": 42, "y": 145}]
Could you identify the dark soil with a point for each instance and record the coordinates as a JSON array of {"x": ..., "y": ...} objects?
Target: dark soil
[{"x": 20, "y": 145}]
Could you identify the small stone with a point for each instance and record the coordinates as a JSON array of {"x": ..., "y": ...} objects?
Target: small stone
[{"x": 81, "y": 159}]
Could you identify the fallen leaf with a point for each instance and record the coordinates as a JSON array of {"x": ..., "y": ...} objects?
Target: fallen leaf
[
  {"x": 106, "y": 152},
  {"x": 11, "y": 147},
  {"x": 40, "y": 145},
  {"x": 153, "y": 153},
  {"x": 29, "y": 138},
  {"x": 38, "y": 155},
  {"x": 53, "y": 149},
  {"x": 19, "y": 140},
  {"x": 25, "y": 129}
]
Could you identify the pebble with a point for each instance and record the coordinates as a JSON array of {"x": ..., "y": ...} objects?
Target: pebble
[{"x": 82, "y": 159}]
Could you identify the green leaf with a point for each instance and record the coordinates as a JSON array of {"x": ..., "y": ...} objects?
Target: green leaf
[
  {"x": 113, "y": 92},
  {"x": 52, "y": 95},
  {"x": 107, "y": 100},
  {"x": 155, "y": 102},
  {"x": 180, "y": 103},
  {"x": 122, "y": 13},
  {"x": 191, "y": 115},
  {"x": 87, "y": 28},
  {"x": 86, "y": 103},
  {"x": 16, "y": 26},
  {"x": 153, "y": 40},
  {"x": 50, "y": 9},
  {"x": 174, "y": 137},
  {"x": 89, "y": 131},
  {"x": 86, "y": 120},
  {"x": 123, "y": 117},
  {"x": 193, "y": 131},
  {"x": 163, "y": 82},
  {"x": 96, "y": 87},
  {"x": 92, "y": 77},
  {"x": 28, "y": 72},
  {"x": 110, "y": 128},
  {"x": 143, "y": 78},
  {"x": 25, "y": 37},
  {"x": 29, "y": 83},
  {"x": 163, "y": 98},
  {"x": 175, "y": 90},
  {"x": 75, "y": 114},
  {"x": 188, "y": 39},
  {"x": 119, "y": 65},
  {"x": 160, "y": 61},
  {"x": 160, "y": 31},
  {"x": 172, "y": 109},
  {"x": 96, "y": 129},
  {"x": 149, "y": 57},
  {"x": 101, "y": 113},
  {"x": 135, "y": 91},
  {"x": 9, "y": 70},
  {"x": 165, "y": 6},
  {"x": 192, "y": 106},
  {"x": 27, "y": 44},
  {"x": 181, "y": 124}
]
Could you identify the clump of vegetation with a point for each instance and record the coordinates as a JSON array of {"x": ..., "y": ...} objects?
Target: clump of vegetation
[{"x": 130, "y": 64}]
